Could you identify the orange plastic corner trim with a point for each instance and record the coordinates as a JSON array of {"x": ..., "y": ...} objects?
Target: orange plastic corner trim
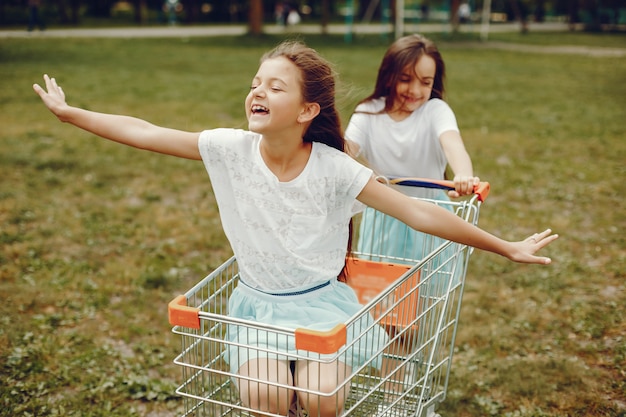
[
  {"x": 321, "y": 342},
  {"x": 482, "y": 190},
  {"x": 182, "y": 315}
]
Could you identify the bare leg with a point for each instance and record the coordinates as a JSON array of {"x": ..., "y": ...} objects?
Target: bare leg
[
  {"x": 268, "y": 396},
  {"x": 396, "y": 370},
  {"x": 323, "y": 378}
]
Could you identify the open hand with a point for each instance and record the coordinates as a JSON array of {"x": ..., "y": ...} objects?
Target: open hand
[
  {"x": 53, "y": 96},
  {"x": 525, "y": 250}
]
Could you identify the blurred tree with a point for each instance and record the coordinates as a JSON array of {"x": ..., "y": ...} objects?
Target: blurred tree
[
  {"x": 595, "y": 14},
  {"x": 573, "y": 16},
  {"x": 95, "y": 8},
  {"x": 138, "y": 7},
  {"x": 69, "y": 11},
  {"x": 520, "y": 11},
  {"x": 325, "y": 15},
  {"x": 255, "y": 17},
  {"x": 454, "y": 14},
  {"x": 540, "y": 10},
  {"x": 192, "y": 10}
]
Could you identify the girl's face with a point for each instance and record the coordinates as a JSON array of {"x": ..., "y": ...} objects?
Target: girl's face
[
  {"x": 274, "y": 102},
  {"x": 414, "y": 87}
]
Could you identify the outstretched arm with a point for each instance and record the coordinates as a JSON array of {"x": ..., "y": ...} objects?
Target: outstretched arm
[
  {"x": 429, "y": 218},
  {"x": 127, "y": 130}
]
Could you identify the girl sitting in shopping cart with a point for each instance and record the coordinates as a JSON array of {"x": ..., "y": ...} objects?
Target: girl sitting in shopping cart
[{"x": 286, "y": 193}]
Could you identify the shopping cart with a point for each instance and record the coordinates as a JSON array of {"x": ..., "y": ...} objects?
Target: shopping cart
[{"x": 415, "y": 300}]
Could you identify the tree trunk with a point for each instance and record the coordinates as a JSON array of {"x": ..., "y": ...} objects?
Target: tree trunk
[
  {"x": 540, "y": 11},
  {"x": 255, "y": 17},
  {"x": 74, "y": 11},
  {"x": 454, "y": 15},
  {"x": 572, "y": 13},
  {"x": 520, "y": 14},
  {"x": 592, "y": 8},
  {"x": 325, "y": 16},
  {"x": 138, "y": 8},
  {"x": 192, "y": 11}
]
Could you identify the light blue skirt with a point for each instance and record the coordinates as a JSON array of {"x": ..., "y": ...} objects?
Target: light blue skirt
[
  {"x": 318, "y": 309},
  {"x": 393, "y": 240},
  {"x": 383, "y": 238}
]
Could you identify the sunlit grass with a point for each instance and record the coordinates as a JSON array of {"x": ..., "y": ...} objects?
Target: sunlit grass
[{"x": 97, "y": 238}]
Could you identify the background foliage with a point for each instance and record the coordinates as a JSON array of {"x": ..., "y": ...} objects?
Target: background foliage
[{"x": 593, "y": 13}]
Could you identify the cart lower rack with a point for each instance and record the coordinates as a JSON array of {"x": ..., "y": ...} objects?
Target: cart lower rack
[{"x": 414, "y": 298}]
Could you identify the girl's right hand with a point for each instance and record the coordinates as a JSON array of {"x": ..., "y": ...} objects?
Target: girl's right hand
[
  {"x": 463, "y": 185},
  {"x": 52, "y": 96}
]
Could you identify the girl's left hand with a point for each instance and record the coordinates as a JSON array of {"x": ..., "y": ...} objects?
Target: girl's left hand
[
  {"x": 53, "y": 96},
  {"x": 463, "y": 185},
  {"x": 525, "y": 250}
]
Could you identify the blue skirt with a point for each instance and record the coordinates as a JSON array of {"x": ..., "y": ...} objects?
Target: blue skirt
[
  {"x": 385, "y": 239},
  {"x": 318, "y": 309},
  {"x": 389, "y": 238}
]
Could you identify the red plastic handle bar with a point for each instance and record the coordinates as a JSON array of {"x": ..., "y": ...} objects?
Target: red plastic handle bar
[
  {"x": 181, "y": 315},
  {"x": 481, "y": 189}
]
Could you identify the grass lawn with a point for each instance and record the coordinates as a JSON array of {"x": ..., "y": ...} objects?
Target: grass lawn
[{"x": 97, "y": 238}]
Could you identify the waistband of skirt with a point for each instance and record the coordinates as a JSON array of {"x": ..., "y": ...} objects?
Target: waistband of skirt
[{"x": 301, "y": 291}]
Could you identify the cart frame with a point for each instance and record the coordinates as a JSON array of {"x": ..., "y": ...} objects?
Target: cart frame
[{"x": 416, "y": 301}]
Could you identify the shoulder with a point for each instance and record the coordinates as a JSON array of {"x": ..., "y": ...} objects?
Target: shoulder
[
  {"x": 437, "y": 105},
  {"x": 216, "y": 144},
  {"x": 216, "y": 137},
  {"x": 371, "y": 106},
  {"x": 335, "y": 161},
  {"x": 335, "y": 170},
  {"x": 321, "y": 150},
  {"x": 226, "y": 133},
  {"x": 330, "y": 157}
]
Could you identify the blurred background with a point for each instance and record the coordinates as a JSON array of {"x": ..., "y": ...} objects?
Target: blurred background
[{"x": 593, "y": 15}]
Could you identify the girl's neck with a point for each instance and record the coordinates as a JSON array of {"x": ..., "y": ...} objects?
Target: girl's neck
[
  {"x": 398, "y": 115},
  {"x": 285, "y": 158}
]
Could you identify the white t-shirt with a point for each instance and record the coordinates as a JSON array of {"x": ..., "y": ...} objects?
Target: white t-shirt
[
  {"x": 285, "y": 235},
  {"x": 408, "y": 148}
]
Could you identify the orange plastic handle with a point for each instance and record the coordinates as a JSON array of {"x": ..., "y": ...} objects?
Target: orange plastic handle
[
  {"x": 181, "y": 315},
  {"x": 321, "y": 342},
  {"x": 481, "y": 189}
]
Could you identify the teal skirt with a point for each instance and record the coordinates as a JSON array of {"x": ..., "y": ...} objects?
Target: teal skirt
[
  {"x": 385, "y": 239},
  {"x": 394, "y": 241},
  {"x": 319, "y": 308}
]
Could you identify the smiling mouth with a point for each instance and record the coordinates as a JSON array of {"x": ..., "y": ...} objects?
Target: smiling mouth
[{"x": 257, "y": 109}]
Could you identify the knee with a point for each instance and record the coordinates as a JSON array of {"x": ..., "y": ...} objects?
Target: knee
[
  {"x": 262, "y": 386},
  {"x": 324, "y": 406},
  {"x": 266, "y": 402}
]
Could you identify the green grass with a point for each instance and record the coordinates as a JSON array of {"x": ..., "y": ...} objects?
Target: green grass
[
  {"x": 97, "y": 238},
  {"x": 577, "y": 38},
  {"x": 599, "y": 40}
]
